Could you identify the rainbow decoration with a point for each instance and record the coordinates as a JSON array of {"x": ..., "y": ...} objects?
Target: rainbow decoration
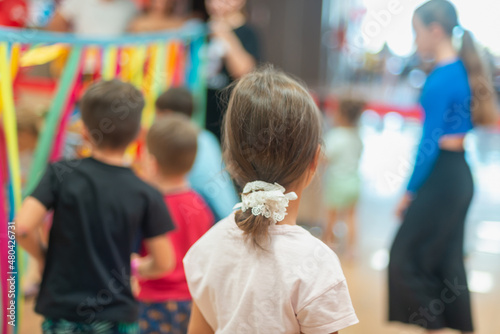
[{"x": 151, "y": 62}]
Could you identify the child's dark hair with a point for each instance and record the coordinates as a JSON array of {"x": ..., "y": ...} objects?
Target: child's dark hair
[
  {"x": 484, "y": 101},
  {"x": 176, "y": 99},
  {"x": 351, "y": 109},
  {"x": 172, "y": 140},
  {"x": 111, "y": 112},
  {"x": 272, "y": 131}
]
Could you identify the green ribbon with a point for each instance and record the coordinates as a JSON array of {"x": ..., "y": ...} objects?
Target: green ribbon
[{"x": 44, "y": 146}]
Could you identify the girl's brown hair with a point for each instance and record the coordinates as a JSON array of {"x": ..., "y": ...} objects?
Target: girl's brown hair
[
  {"x": 483, "y": 104},
  {"x": 271, "y": 132}
]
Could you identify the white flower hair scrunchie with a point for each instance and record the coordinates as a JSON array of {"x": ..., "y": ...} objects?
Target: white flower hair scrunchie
[{"x": 266, "y": 199}]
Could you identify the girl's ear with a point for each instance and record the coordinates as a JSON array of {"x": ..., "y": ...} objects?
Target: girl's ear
[
  {"x": 316, "y": 160},
  {"x": 309, "y": 175}
]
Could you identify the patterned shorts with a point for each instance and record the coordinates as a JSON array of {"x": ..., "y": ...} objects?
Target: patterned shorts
[
  {"x": 171, "y": 317},
  {"x": 61, "y": 326}
]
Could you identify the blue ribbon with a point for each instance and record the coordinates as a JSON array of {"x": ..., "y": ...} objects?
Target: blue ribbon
[{"x": 191, "y": 30}]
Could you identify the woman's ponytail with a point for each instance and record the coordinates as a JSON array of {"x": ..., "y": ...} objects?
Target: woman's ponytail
[{"x": 484, "y": 102}]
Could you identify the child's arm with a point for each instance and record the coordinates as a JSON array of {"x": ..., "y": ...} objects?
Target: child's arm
[
  {"x": 197, "y": 323},
  {"x": 28, "y": 219},
  {"x": 160, "y": 258}
]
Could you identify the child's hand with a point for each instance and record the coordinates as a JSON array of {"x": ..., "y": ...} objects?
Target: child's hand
[
  {"x": 134, "y": 279},
  {"x": 134, "y": 284}
]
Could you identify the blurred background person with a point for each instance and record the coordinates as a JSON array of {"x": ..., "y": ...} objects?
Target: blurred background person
[
  {"x": 427, "y": 254},
  {"x": 93, "y": 17},
  {"x": 158, "y": 15},
  {"x": 233, "y": 51},
  {"x": 208, "y": 176},
  {"x": 343, "y": 149}
]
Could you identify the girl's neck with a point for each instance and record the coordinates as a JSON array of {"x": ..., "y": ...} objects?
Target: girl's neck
[
  {"x": 110, "y": 157},
  {"x": 445, "y": 53},
  {"x": 169, "y": 184}
]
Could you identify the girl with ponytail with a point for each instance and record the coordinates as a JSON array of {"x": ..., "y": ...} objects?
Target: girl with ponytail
[
  {"x": 256, "y": 271},
  {"x": 426, "y": 259}
]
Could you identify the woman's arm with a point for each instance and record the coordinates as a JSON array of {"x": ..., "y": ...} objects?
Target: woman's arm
[
  {"x": 238, "y": 61},
  {"x": 197, "y": 323},
  {"x": 58, "y": 23}
]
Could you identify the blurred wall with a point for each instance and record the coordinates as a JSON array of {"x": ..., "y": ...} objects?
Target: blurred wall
[{"x": 290, "y": 33}]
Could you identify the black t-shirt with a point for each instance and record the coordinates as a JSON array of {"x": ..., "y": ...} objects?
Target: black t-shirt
[
  {"x": 221, "y": 77},
  {"x": 98, "y": 211}
]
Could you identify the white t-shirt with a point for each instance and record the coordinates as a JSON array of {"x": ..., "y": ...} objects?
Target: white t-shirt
[
  {"x": 105, "y": 18},
  {"x": 296, "y": 286}
]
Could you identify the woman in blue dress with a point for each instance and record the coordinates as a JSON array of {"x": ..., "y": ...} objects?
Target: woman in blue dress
[{"x": 427, "y": 279}]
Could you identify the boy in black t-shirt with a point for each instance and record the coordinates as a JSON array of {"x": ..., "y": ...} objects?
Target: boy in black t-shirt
[{"x": 99, "y": 205}]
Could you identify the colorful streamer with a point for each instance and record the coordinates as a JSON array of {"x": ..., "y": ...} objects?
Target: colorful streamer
[
  {"x": 43, "y": 55},
  {"x": 4, "y": 266},
  {"x": 153, "y": 82},
  {"x": 14, "y": 66},
  {"x": 9, "y": 123},
  {"x": 152, "y": 62},
  {"x": 10, "y": 130},
  {"x": 110, "y": 63},
  {"x": 70, "y": 104},
  {"x": 197, "y": 81},
  {"x": 45, "y": 141},
  {"x": 189, "y": 31},
  {"x": 137, "y": 61}
]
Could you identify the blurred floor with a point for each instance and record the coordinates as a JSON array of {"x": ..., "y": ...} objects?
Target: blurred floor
[{"x": 385, "y": 166}]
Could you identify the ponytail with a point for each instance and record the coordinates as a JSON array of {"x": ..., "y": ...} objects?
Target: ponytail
[
  {"x": 484, "y": 103},
  {"x": 255, "y": 228}
]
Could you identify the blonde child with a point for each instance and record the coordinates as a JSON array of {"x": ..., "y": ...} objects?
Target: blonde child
[
  {"x": 172, "y": 143},
  {"x": 256, "y": 271},
  {"x": 342, "y": 184},
  {"x": 99, "y": 204}
]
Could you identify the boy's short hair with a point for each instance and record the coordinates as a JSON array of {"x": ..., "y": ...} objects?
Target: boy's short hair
[
  {"x": 173, "y": 141},
  {"x": 351, "y": 109},
  {"x": 111, "y": 112},
  {"x": 176, "y": 99}
]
